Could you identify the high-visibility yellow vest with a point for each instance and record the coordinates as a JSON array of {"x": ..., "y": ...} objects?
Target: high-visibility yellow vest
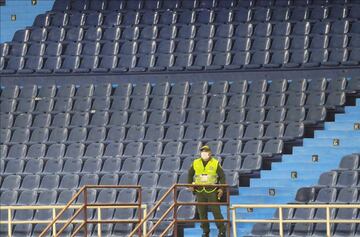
[{"x": 207, "y": 174}]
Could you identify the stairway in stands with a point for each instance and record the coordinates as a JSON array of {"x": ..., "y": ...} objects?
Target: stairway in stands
[{"x": 302, "y": 168}]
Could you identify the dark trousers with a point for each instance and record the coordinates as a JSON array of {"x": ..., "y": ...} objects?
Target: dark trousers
[{"x": 215, "y": 209}]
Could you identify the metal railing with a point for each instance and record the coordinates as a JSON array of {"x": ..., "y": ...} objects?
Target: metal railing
[
  {"x": 86, "y": 205},
  {"x": 55, "y": 208},
  {"x": 281, "y": 220},
  {"x": 175, "y": 205}
]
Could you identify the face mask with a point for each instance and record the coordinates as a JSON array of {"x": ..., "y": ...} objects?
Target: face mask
[{"x": 205, "y": 155}]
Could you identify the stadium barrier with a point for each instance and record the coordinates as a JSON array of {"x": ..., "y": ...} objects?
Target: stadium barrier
[
  {"x": 281, "y": 221},
  {"x": 175, "y": 205}
]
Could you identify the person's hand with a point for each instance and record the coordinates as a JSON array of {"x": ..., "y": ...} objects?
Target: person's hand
[
  {"x": 191, "y": 189},
  {"x": 220, "y": 192}
]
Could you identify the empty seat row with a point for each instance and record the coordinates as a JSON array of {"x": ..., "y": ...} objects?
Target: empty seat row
[
  {"x": 184, "y": 88},
  {"x": 202, "y": 16},
  {"x": 181, "y": 62},
  {"x": 154, "y": 133},
  {"x": 167, "y": 38},
  {"x": 139, "y": 149},
  {"x": 160, "y": 106},
  {"x": 89, "y": 169},
  {"x": 101, "y": 5},
  {"x": 313, "y": 114},
  {"x": 73, "y": 181},
  {"x": 184, "y": 46}
]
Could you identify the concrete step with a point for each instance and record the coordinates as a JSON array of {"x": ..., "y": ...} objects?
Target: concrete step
[
  {"x": 337, "y": 134},
  {"x": 283, "y": 182},
  {"x": 343, "y": 126},
  {"x": 323, "y": 143}
]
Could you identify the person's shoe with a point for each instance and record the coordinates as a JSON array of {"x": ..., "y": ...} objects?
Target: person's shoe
[
  {"x": 206, "y": 234},
  {"x": 222, "y": 234}
]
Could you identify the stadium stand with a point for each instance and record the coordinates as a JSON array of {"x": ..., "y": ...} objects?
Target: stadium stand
[
  {"x": 111, "y": 36},
  {"x": 336, "y": 186},
  {"x": 125, "y": 92}
]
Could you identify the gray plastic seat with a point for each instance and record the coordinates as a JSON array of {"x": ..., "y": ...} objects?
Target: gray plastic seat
[
  {"x": 30, "y": 182},
  {"x": 69, "y": 181},
  {"x": 33, "y": 166},
  {"x": 232, "y": 147},
  {"x": 14, "y": 166},
  {"x": 116, "y": 134},
  {"x": 176, "y": 117},
  {"x": 17, "y": 151},
  {"x": 133, "y": 149},
  {"x": 215, "y": 116},
  {"x": 152, "y": 149},
  {"x": 39, "y": 135},
  {"x": 157, "y": 117},
  {"x": 92, "y": 166},
  {"x": 111, "y": 165},
  {"x": 23, "y": 120},
  {"x": 172, "y": 148},
  {"x": 294, "y": 131},
  {"x": 118, "y": 118},
  {"x": 113, "y": 150},
  {"x": 167, "y": 179},
  {"x": 273, "y": 147},
  {"x": 251, "y": 163},
  {"x": 194, "y": 132},
  {"x": 131, "y": 165},
  {"x": 170, "y": 164},
  {"x": 154, "y": 133},
  {"x": 94, "y": 150},
  {"x": 99, "y": 119},
  {"x": 159, "y": 103},
  {"x": 101, "y": 104},
  {"x": 191, "y": 148},
  {"x": 55, "y": 151},
  {"x": 74, "y": 150},
  {"x": 109, "y": 179},
  {"x": 275, "y": 115},
  {"x": 214, "y": 132},
  {"x": 137, "y": 118},
  {"x": 151, "y": 164},
  {"x": 347, "y": 179},
  {"x": 349, "y": 162},
  {"x": 97, "y": 134},
  {"x": 178, "y": 102},
  {"x": 274, "y": 130},
  {"x": 36, "y": 151},
  {"x": 88, "y": 179},
  {"x": 63, "y": 105},
  {"x": 252, "y": 147},
  {"x": 196, "y": 116},
  {"x": 50, "y": 182},
  {"x": 232, "y": 163},
  {"x": 72, "y": 166},
  {"x": 149, "y": 180},
  {"x": 77, "y": 134},
  {"x": 328, "y": 179}
]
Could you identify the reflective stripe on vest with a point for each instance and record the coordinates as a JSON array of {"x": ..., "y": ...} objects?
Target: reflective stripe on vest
[{"x": 207, "y": 174}]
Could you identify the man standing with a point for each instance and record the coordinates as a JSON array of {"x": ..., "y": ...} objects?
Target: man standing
[{"x": 207, "y": 170}]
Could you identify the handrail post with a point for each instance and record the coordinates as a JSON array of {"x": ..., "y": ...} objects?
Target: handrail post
[
  {"x": 144, "y": 225},
  {"x": 281, "y": 227},
  {"x": 175, "y": 209},
  {"x": 85, "y": 211},
  {"x": 228, "y": 210},
  {"x": 234, "y": 222},
  {"x": 139, "y": 209},
  {"x": 54, "y": 225},
  {"x": 328, "y": 222},
  {"x": 99, "y": 219},
  {"x": 9, "y": 222}
]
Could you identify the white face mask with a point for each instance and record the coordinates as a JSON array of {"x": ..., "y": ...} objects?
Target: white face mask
[{"x": 205, "y": 156}]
